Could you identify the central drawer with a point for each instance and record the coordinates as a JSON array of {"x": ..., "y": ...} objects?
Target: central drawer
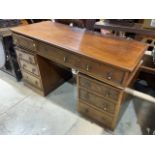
[
  {"x": 81, "y": 63},
  {"x": 97, "y": 101},
  {"x": 59, "y": 55}
]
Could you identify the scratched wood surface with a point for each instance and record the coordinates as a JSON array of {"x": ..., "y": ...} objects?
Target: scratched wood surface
[{"x": 121, "y": 53}]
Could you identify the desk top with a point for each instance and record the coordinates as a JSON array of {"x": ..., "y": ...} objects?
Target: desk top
[{"x": 121, "y": 53}]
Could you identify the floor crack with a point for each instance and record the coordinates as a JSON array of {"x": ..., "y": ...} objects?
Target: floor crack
[
  {"x": 73, "y": 125},
  {"x": 5, "y": 112}
]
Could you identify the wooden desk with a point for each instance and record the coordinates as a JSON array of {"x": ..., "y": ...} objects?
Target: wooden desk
[{"x": 46, "y": 51}]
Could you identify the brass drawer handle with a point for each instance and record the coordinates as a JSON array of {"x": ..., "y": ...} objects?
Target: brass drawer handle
[
  {"x": 65, "y": 59},
  {"x": 105, "y": 109},
  {"x": 34, "y": 45},
  {"x": 109, "y": 75},
  {"x": 87, "y": 67}
]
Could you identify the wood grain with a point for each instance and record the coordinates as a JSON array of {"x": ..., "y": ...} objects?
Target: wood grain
[{"x": 121, "y": 53}]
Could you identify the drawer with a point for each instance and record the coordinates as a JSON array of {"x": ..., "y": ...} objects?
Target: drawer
[
  {"x": 24, "y": 42},
  {"x": 25, "y": 56},
  {"x": 59, "y": 55},
  {"x": 99, "y": 87},
  {"x": 95, "y": 114},
  {"x": 81, "y": 63},
  {"x": 97, "y": 101},
  {"x": 32, "y": 80},
  {"x": 95, "y": 68},
  {"x": 102, "y": 70},
  {"x": 29, "y": 67}
]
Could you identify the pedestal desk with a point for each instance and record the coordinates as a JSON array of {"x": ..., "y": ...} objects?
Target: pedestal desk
[{"x": 47, "y": 51}]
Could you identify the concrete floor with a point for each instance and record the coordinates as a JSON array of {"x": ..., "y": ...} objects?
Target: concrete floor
[{"x": 22, "y": 111}]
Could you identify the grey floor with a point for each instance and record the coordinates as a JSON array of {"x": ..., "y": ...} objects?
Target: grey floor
[{"x": 22, "y": 111}]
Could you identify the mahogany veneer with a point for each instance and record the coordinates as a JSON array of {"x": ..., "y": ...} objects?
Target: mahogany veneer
[{"x": 46, "y": 52}]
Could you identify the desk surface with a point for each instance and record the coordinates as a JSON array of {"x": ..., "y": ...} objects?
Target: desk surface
[{"x": 122, "y": 53}]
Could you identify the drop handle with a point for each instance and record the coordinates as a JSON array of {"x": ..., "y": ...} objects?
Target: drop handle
[
  {"x": 87, "y": 67},
  {"x": 109, "y": 76},
  {"x": 105, "y": 109},
  {"x": 34, "y": 45},
  {"x": 65, "y": 59}
]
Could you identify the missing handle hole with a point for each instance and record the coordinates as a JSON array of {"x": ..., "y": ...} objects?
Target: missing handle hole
[
  {"x": 149, "y": 41},
  {"x": 150, "y": 48}
]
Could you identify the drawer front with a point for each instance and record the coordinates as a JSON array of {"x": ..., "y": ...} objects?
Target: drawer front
[
  {"x": 50, "y": 52},
  {"x": 25, "y": 56},
  {"x": 59, "y": 55},
  {"x": 95, "y": 68},
  {"x": 97, "y": 101},
  {"x": 99, "y": 87},
  {"x": 24, "y": 42},
  {"x": 32, "y": 80},
  {"x": 102, "y": 70},
  {"x": 28, "y": 67},
  {"x": 96, "y": 115},
  {"x": 81, "y": 63}
]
